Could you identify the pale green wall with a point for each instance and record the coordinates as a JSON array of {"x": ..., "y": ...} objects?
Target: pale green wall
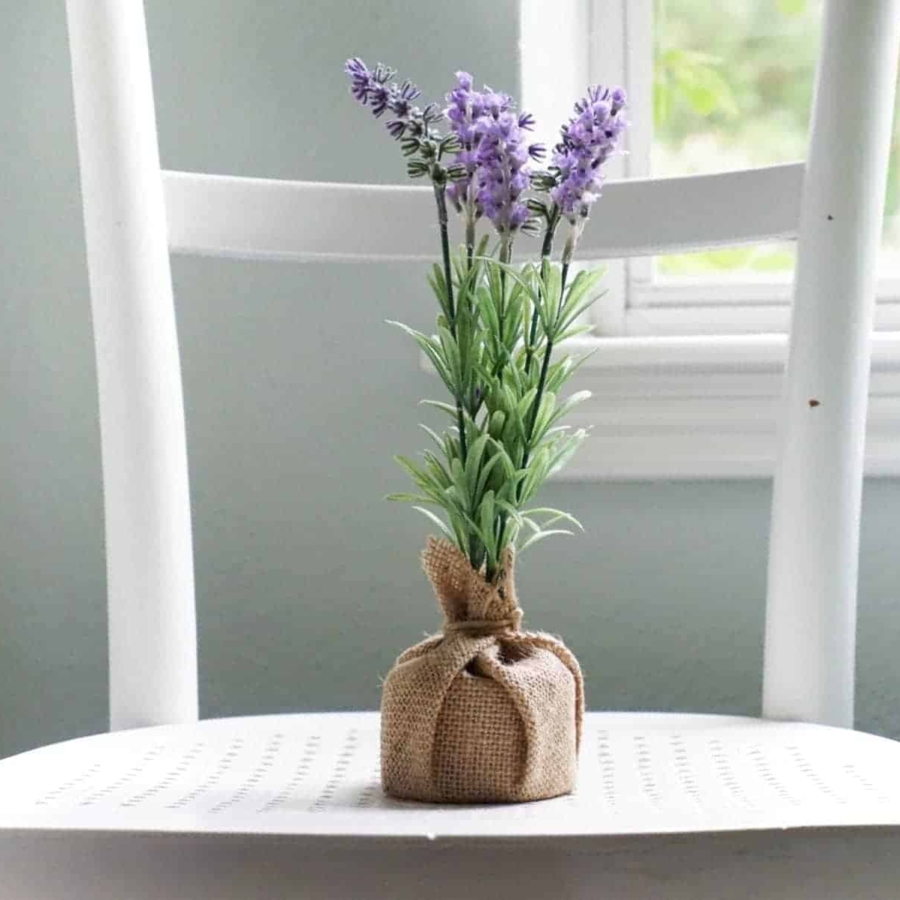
[{"x": 298, "y": 394}]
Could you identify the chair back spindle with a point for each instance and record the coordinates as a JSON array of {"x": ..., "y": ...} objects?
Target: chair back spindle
[
  {"x": 150, "y": 576},
  {"x": 810, "y": 643}
]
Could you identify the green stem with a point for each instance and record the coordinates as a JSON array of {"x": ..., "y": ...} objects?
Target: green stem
[
  {"x": 505, "y": 256},
  {"x": 476, "y": 550},
  {"x": 545, "y": 365},
  {"x": 546, "y": 251},
  {"x": 440, "y": 195},
  {"x": 470, "y": 231},
  {"x": 550, "y": 233}
]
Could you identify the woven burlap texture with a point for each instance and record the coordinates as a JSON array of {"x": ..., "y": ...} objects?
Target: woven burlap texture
[{"x": 483, "y": 713}]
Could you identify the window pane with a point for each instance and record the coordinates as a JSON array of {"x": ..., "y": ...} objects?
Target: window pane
[
  {"x": 732, "y": 89},
  {"x": 774, "y": 260}
]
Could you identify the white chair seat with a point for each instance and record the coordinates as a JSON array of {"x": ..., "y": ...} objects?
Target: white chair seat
[
  {"x": 267, "y": 790},
  {"x": 318, "y": 774}
]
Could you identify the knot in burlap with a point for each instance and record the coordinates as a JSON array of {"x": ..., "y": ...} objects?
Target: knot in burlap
[
  {"x": 482, "y": 712},
  {"x": 469, "y": 602}
]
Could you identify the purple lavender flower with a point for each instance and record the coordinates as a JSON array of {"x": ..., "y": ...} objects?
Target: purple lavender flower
[
  {"x": 492, "y": 155},
  {"x": 465, "y": 107},
  {"x": 588, "y": 140},
  {"x": 502, "y": 173},
  {"x": 375, "y": 90}
]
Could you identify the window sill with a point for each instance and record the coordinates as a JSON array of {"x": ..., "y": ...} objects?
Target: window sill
[
  {"x": 705, "y": 407},
  {"x": 705, "y": 307}
]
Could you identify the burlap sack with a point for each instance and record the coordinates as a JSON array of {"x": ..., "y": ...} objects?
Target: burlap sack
[{"x": 483, "y": 712}]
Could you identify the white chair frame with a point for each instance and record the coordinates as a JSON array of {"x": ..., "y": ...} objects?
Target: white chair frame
[{"x": 135, "y": 214}]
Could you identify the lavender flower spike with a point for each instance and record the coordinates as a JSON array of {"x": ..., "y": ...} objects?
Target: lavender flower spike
[
  {"x": 375, "y": 90},
  {"x": 492, "y": 156},
  {"x": 588, "y": 140},
  {"x": 502, "y": 173},
  {"x": 465, "y": 108}
]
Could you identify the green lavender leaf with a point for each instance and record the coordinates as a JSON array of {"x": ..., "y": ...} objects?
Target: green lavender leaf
[
  {"x": 487, "y": 527},
  {"x": 435, "y": 354},
  {"x": 411, "y": 498},
  {"x": 555, "y": 515},
  {"x": 575, "y": 331},
  {"x": 495, "y": 462},
  {"x": 436, "y": 470},
  {"x": 567, "y": 406},
  {"x": 566, "y": 451},
  {"x": 526, "y": 278},
  {"x": 439, "y": 404},
  {"x": 539, "y": 536},
  {"x": 438, "y": 439},
  {"x": 436, "y": 520},
  {"x": 473, "y": 464}
]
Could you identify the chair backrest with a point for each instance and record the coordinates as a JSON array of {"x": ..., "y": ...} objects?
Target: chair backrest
[{"x": 134, "y": 214}]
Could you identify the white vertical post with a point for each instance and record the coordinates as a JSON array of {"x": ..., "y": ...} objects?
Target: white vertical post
[
  {"x": 814, "y": 545},
  {"x": 554, "y": 62},
  {"x": 152, "y": 630}
]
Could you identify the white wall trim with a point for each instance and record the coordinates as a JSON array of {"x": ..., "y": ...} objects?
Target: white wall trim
[
  {"x": 731, "y": 319},
  {"x": 738, "y": 291},
  {"x": 705, "y": 407}
]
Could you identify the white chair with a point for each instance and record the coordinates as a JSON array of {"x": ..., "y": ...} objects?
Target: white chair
[{"x": 679, "y": 806}]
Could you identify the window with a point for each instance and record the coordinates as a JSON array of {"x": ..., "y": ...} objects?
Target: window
[
  {"x": 752, "y": 111},
  {"x": 692, "y": 346},
  {"x": 714, "y": 87}
]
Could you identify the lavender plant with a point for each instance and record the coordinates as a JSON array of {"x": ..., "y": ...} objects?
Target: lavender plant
[{"x": 498, "y": 324}]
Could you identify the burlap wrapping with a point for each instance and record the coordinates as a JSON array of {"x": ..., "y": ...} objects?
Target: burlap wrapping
[{"x": 483, "y": 712}]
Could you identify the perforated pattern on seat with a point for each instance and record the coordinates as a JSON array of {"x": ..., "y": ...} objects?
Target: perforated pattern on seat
[
  {"x": 253, "y": 772},
  {"x": 319, "y": 774}
]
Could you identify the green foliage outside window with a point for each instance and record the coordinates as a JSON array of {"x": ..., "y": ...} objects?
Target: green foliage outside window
[{"x": 732, "y": 89}]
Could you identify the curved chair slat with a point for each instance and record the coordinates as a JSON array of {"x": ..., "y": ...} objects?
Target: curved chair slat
[{"x": 257, "y": 218}]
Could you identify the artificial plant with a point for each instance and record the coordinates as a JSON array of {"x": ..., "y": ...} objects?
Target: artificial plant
[{"x": 498, "y": 343}]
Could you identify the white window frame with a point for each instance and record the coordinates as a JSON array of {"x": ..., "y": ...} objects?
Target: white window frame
[{"x": 687, "y": 375}]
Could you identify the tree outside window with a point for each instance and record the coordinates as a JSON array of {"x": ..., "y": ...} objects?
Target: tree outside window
[{"x": 732, "y": 89}]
